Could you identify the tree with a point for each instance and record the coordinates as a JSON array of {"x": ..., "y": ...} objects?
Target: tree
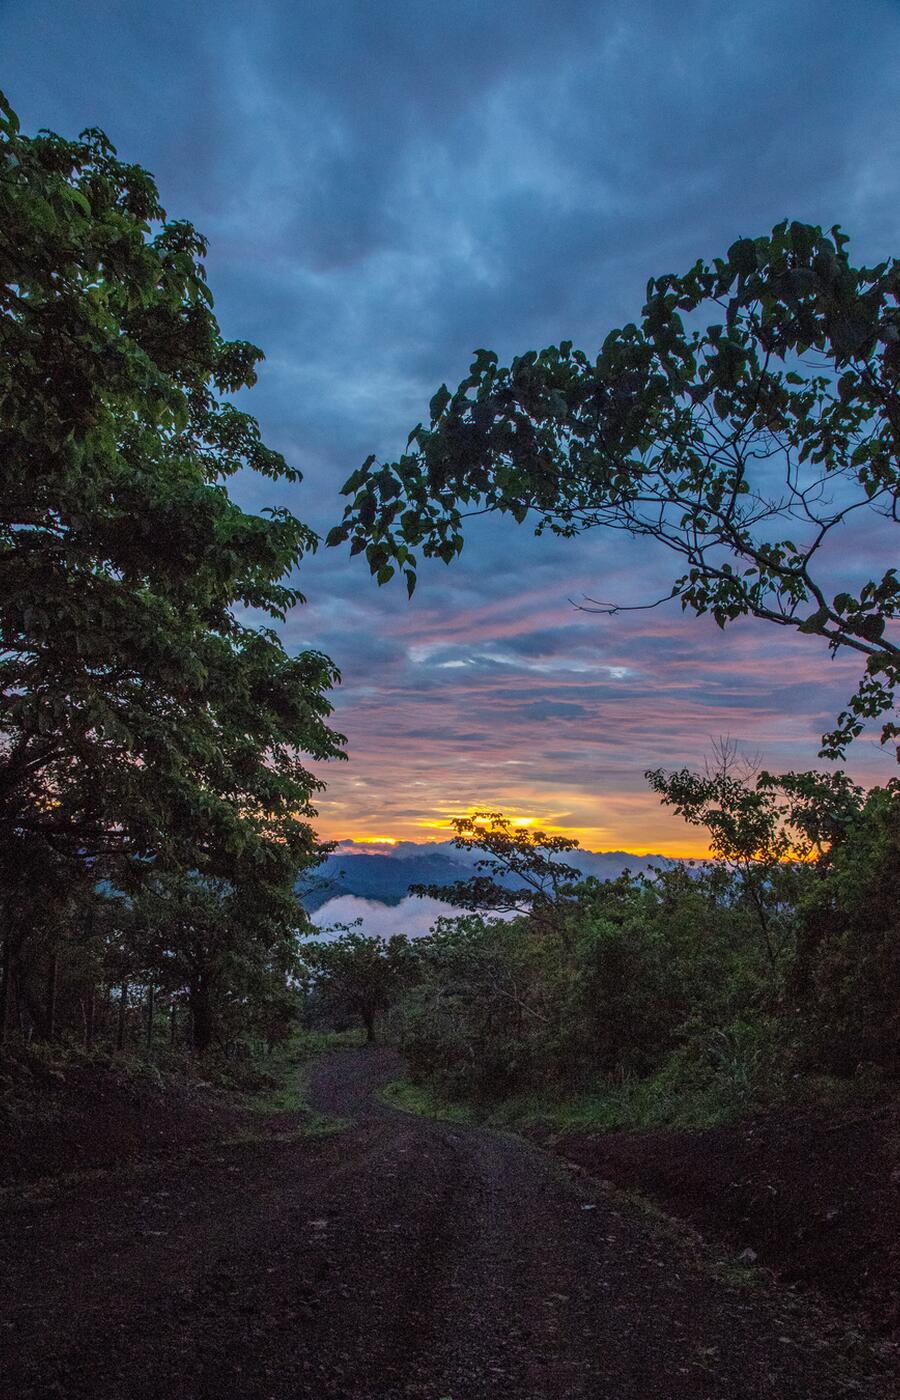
[
  {"x": 144, "y": 717},
  {"x": 42, "y": 900},
  {"x": 746, "y": 444},
  {"x": 359, "y": 974},
  {"x": 476, "y": 1013},
  {"x": 765, "y": 830},
  {"x": 846, "y": 978},
  {"x": 213, "y": 942},
  {"x": 518, "y": 872}
]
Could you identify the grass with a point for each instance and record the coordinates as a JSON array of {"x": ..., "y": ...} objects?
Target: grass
[
  {"x": 419, "y": 1099},
  {"x": 634, "y": 1103},
  {"x": 638, "y": 1103},
  {"x": 669, "y": 1099},
  {"x": 33, "y": 1081},
  {"x": 660, "y": 1101},
  {"x": 314, "y": 1125},
  {"x": 285, "y": 1088}
]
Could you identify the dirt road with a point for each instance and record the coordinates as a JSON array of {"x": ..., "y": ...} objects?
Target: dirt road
[{"x": 400, "y": 1259}]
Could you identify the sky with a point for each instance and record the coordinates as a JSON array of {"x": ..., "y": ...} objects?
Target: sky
[{"x": 388, "y": 186}]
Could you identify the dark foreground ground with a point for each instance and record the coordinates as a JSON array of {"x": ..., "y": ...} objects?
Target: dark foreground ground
[
  {"x": 398, "y": 1258},
  {"x": 815, "y": 1195}
]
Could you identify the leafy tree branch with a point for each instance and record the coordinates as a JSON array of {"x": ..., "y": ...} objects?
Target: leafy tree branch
[{"x": 745, "y": 424}]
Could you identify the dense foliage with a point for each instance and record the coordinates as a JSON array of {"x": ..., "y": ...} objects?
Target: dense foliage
[
  {"x": 356, "y": 976},
  {"x": 153, "y": 734},
  {"x": 846, "y": 976},
  {"x": 715, "y": 985},
  {"x": 747, "y": 444}
]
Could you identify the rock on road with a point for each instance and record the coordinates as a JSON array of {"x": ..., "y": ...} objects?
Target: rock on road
[{"x": 399, "y": 1259}]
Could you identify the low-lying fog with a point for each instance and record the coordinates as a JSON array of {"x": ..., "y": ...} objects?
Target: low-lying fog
[{"x": 412, "y": 917}]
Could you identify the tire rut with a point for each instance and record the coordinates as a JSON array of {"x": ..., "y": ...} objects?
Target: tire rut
[{"x": 401, "y": 1259}]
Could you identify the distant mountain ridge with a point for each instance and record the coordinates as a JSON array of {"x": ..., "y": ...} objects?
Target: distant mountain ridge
[{"x": 354, "y": 868}]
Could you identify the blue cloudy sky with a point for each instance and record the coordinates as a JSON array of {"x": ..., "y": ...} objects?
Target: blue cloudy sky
[{"x": 387, "y": 185}]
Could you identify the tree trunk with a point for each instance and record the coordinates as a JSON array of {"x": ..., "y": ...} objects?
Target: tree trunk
[
  {"x": 5, "y": 975},
  {"x": 369, "y": 1023},
  {"x": 123, "y": 1007},
  {"x": 201, "y": 1016},
  {"x": 172, "y": 1024},
  {"x": 50, "y": 1003},
  {"x": 151, "y": 998},
  {"x": 16, "y": 982},
  {"x": 90, "y": 1011}
]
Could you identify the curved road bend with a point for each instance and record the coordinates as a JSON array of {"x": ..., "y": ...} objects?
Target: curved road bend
[{"x": 401, "y": 1259}]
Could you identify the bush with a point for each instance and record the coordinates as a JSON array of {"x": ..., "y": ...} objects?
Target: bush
[{"x": 846, "y": 982}]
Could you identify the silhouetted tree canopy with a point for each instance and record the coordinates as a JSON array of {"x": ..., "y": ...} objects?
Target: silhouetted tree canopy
[
  {"x": 143, "y": 712},
  {"x": 153, "y": 732},
  {"x": 749, "y": 419}
]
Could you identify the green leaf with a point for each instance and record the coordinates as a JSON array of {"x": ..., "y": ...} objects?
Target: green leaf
[
  {"x": 356, "y": 480},
  {"x": 815, "y": 622},
  {"x": 742, "y": 255},
  {"x": 9, "y": 122},
  {"x": 76, "y": 197},
  {"x": 670, "y": 431},
  {"x": 803, "y": 239},
  {"x": 439, "y": 402}
]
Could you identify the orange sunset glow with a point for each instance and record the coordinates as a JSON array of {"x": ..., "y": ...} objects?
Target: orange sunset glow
[
  {"x": 555, "y": 725},
  {"x": 672, "y": 839}
]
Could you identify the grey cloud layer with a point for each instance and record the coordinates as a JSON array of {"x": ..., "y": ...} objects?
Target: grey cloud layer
[{"x": 386, "y": 187}]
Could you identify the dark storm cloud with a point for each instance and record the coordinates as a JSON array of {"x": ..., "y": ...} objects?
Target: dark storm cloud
[{"x": 386, "y": 187}]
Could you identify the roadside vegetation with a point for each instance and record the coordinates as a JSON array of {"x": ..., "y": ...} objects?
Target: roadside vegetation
[
  {"x": 155, "y": 801},
  {"x": 64, "y": 1110},
  {"x": 767, "y": 975}
]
